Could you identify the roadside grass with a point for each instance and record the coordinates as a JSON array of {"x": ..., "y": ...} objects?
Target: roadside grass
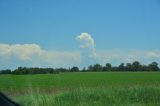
[{"x": 137, "y": 96}]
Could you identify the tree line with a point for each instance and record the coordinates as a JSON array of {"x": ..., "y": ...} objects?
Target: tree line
[{"x": 136, "y": 66}]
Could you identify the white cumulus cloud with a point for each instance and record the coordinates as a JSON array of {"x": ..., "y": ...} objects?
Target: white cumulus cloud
[
  {"x": 34, "y": 55},
  {"x": 87, "y": 42},
  {"x": 22, "y": 52}
]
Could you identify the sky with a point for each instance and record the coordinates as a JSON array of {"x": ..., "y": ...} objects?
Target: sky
[{"x": 66, "y": 33}]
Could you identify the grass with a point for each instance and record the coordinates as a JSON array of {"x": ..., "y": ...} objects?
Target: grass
[
  {"x": 96, "y": 97},
  {"x": 84, "y": 89}
]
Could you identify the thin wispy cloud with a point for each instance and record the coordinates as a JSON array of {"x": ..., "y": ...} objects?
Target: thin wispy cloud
[{"x": 127, "y": 55}]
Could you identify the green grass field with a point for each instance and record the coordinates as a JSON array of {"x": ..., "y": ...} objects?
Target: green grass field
[{"x": 84, "y": 89}]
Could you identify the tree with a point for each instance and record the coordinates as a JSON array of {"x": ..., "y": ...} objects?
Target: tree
[
  {"x": 18, "y": 71},
  {"x": 144, "y": 68},
  {"x": 84, "y": 69},
  {"x": 7, "y": 71},
  {"x": 90, "y": 68},
  {"x": 153, "y": 66},
  {"x": 121, "y": 67},
  {"x": 136, "y": 66},
  {"x": 95, "y": 68},
  {"x": 107, "y": 67},
  {"x": 74, "y": 69},
  {"x": 129, "y": 67}
]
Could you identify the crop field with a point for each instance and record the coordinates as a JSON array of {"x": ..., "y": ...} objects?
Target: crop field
[{"x": 84, "y": 89}]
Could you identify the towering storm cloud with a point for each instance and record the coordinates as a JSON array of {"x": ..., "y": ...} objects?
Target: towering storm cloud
[{"x": 88, "y": 43}]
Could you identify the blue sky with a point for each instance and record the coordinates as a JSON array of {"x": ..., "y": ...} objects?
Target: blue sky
[{"x": 125, "y": 28}]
